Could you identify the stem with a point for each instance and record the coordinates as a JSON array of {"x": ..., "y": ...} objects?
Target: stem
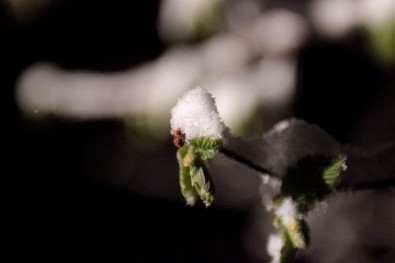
[
  {"x": 341, "y": 187},
  {"x": 366, "y": 185},
  {"x": 243, "y": 160}
]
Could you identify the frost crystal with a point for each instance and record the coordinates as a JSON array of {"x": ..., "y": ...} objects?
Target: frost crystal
[{"x": 196, "y": 115}]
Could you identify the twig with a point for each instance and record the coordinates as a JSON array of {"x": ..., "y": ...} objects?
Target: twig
[
  {"x": 245, "y": 161},
  {"x": 341, "y": 187},
  {"x": 366, "y": 185}
]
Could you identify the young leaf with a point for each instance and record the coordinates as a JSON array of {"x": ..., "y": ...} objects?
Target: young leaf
[
  {"x": 206, "y": 147},
  {"x": 188, "y": 191},
  {"x": 296, "y": 229},
  {"x": 202, "y": 183},
  {"x": 332, "y": 172},
  {"x": 195, "y": 180},
  {"x": 189, "y": 159}
]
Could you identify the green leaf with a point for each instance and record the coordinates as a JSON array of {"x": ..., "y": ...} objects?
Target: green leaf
[
  {"x": 201, "y": 181},
  {"x": 195, "y": 180},
  {"x": 182, "y": 152},
  {"x": 332, "y": 172},
  {"x": 206, "y": 147},
  {"x": 187, "y": 190},
  {"x": 190, "y": 157},
  {"x": 293, "y": 236},
  {"x": 296, "y": 229}
]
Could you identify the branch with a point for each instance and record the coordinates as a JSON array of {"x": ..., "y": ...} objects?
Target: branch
[
  {"x": 243, "y": 160},
  {"x": 366, "y": 185},
  {"x": 341, "y": 187}
]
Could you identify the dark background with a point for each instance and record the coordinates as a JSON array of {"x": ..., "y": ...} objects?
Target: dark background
[{"x": 61, "y": 210}]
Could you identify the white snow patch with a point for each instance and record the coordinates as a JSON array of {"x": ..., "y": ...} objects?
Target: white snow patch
[
  {"x": 271, "y": 186},
  {"x": 287, "y": 211},
  {"x": 196, "y": 115},
  {"x": 282, "y": 125},
  {"x": 274, "y": 246}
]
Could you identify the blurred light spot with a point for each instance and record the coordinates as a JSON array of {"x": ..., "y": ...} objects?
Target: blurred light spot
[
  {"x": 241, "y": 14},
  {"x": 238, "y": 96},
  {"x": 226, "y": 64},
  {"x": 181, "y": 20},
  {"x": 147, "y": 92},
  {"x": 75, "y": 94},
  {"x": 334, "y": 18},
  {"x": 278, "y": 32},
  {"x": 235, "y": 101},
  {"x": 376, "y": 12},
  {"x": 225, "y": 54},
  {"x": 175, "y": 72},
  {"x": 275, "y": 80}
]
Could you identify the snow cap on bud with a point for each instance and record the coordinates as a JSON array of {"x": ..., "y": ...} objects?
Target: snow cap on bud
[{"x": 196, "y": 115}]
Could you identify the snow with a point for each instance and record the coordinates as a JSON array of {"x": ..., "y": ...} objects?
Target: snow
[
  {"x": 274, "y": 246},
  {"x": 196, "y": 115},
  {"x": 287, "y": 211}
]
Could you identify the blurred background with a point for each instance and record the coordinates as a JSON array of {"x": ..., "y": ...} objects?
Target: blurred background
[{"x": 88, "y": 88}]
